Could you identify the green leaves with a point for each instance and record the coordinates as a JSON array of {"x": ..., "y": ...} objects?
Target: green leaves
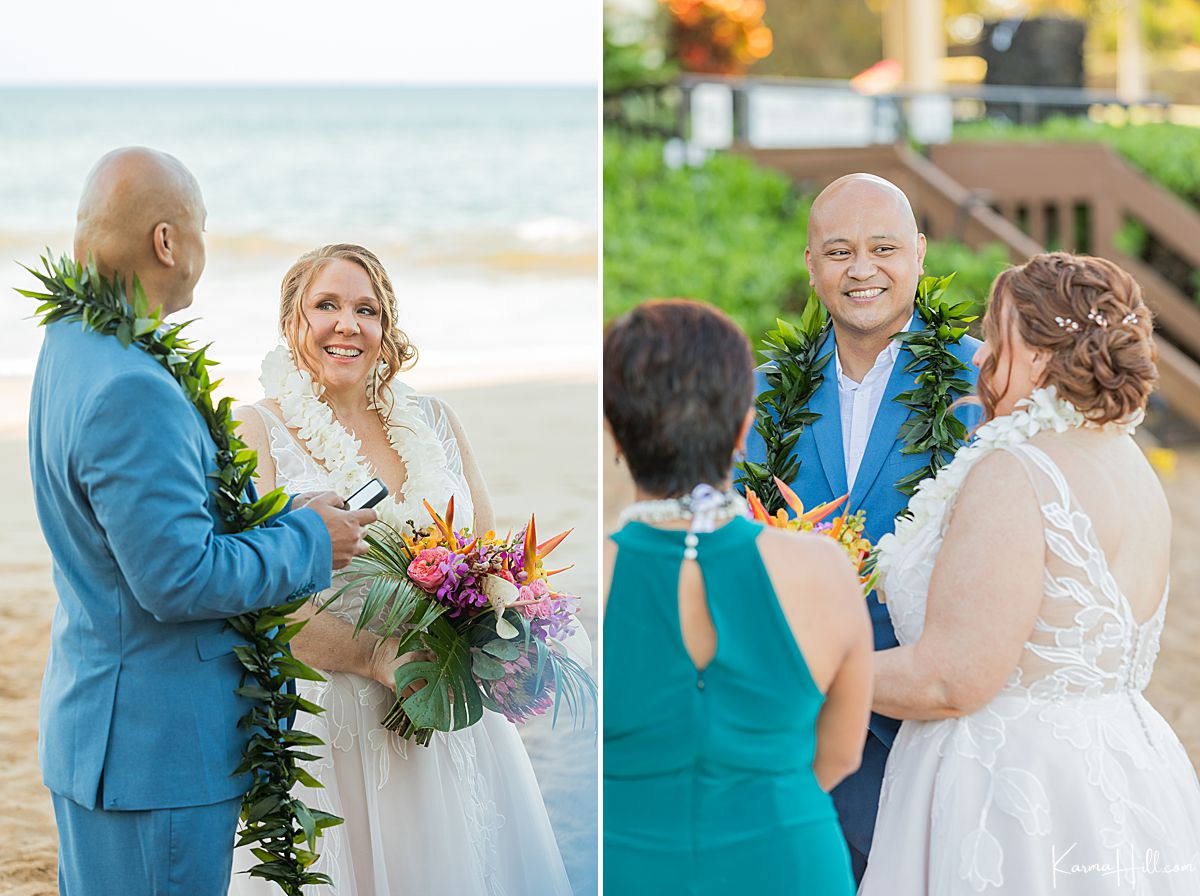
[
  {"x": 486, "y": 667},
  {"x": 450, "y": 698},
  {"x": 726, "y": 232},
  {"x": 272, "y": 819},
  {"x": 265, "y": 507},
  {"x": 793, "y": 373},
  {"x": 933, "y": 429},
  {"x": 144, "y": 325},
  {"x": 502, "y": 650},
  {"x": 386, "y": 565},
  {"x": 813, "y": 320}
]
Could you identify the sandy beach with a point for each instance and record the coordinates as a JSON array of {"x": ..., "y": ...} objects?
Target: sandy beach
[
  {"x": 1173, "y": 687},
  {"x": 536, "y": 445}
]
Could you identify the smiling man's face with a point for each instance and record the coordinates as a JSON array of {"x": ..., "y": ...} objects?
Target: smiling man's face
[{"x": 865, "y": 256}]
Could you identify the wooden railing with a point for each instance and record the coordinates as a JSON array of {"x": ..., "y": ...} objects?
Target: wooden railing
[{"x": 1029, "y": 196}]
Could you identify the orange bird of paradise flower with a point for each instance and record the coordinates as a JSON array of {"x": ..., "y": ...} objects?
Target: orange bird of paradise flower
[
  {"x": 535, "y": 553},
  {"x": 780, "y": 517}
]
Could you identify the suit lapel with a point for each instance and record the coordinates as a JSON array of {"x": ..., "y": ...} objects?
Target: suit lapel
[
  {"x": 885, "y": 430},
  {"x": 827, "y": 431}
]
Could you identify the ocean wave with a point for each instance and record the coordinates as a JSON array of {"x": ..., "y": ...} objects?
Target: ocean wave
[{"x": 554, "y": 230}]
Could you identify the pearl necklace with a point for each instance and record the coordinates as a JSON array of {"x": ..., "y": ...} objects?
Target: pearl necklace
[{"x": 704, "y": 507}]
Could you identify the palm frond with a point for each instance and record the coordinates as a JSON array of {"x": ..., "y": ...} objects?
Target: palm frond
[
  {"x": 573, "y": 686},
  {"x": 450, "y": 699}
]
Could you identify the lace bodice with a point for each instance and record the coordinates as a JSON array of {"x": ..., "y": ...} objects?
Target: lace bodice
[
  {"x": 434, "y": 474},
  {"x": 1067, "y": 771},
  {"x": 1086, "y": 640}
]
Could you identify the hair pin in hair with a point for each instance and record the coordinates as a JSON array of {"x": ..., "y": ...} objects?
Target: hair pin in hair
[
  {"x": 1067, "y": 324},
  {"x": 1097, "y": 318},
  {"x": 1130, "y": 318}
]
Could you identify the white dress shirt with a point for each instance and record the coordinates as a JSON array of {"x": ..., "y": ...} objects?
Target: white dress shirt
[{"x": 859, "y": 404}]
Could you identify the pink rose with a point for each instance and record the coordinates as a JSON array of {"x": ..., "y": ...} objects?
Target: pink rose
[
  {"x": 426, "y": 568},
  {"x": 535, "y": 591}
]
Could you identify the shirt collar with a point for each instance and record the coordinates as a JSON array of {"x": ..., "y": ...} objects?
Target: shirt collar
[{"x": 886, "y": 357}]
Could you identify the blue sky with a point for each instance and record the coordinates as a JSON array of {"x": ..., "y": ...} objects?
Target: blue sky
[{"x": 300, "y": 41}]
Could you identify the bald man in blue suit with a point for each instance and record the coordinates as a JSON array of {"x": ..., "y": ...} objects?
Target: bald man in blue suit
[
  {"x": 865, "y": 258},
  {"x": 138, "y": 736}
]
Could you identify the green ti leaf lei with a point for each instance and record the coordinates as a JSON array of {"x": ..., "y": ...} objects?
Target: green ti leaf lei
[
  {"x": 275, "y": 824},
  {"x": 794, "y": 372}
]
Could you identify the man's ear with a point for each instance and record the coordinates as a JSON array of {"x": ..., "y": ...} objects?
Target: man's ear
[
  {"x": 921, "y": 254},
  {"x": 808, "y": 263},
  {"x": 164, "y": 238}
]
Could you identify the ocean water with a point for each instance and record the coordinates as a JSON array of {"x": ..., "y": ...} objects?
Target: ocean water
[{"x": 481, "y": 201}]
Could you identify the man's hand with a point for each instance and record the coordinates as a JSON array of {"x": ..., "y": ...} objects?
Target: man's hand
[
  {"x": 302, "y": 499},
  {"x": 346, "y": 527}
]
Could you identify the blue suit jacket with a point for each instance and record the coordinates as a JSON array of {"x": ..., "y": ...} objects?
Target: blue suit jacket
[
  {"x": 823, "y": 478},
  {"x": 138, "y": 689}
]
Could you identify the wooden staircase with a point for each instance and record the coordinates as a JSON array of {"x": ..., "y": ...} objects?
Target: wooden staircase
[{"x": 1029, "y": 196}]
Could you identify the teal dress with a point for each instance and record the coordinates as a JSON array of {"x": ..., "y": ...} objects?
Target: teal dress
[{"x": 708, "y": 779}]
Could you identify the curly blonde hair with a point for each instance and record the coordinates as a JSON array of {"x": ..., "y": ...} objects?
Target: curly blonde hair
[{"x": 1088, "y": 314}]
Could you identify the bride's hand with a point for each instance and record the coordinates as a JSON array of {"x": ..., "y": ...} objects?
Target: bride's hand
[{"x": 384, "y": 664}]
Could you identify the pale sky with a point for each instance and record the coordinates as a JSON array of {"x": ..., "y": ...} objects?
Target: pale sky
[{"x": 300, "y": 41}]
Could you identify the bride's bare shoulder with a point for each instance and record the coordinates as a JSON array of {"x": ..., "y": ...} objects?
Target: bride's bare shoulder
[{"x": 997, "y": 470}]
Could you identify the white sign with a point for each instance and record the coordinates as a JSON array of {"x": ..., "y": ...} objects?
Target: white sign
[
  {"x": 795, "y": 117},
  {"x": 930, "y": 119},
  {"x": 711, "y": 107}
]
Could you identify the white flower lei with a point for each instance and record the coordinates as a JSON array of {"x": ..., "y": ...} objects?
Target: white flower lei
[
  {"x": 335, "y": 449},
  {"x": 1042, "y": 410}
]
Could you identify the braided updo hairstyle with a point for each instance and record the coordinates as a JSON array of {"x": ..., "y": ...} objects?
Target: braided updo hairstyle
[{"x": 1088, "y": 314}]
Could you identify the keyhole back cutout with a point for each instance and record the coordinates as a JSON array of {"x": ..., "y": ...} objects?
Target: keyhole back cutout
[{"x": 695, "y": 621}]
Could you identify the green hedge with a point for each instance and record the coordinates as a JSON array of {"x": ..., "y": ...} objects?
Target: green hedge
[
  {"x": 1167, "y": 153},
  {"x": 728, "y": 232}
]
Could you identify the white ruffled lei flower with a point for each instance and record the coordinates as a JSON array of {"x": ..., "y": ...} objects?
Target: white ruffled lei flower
[
  {"x": 331, "y": 444},
  {"x": 1042, "y": 410}
]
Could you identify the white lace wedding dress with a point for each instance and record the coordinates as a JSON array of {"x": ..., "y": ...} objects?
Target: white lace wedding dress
[
  {"x": 460, "y": 817},
  {"x": 1068, "y": 781}
]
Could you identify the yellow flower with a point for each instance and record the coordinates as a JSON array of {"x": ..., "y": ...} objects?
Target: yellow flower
[{"x": 1164, "y": 460}]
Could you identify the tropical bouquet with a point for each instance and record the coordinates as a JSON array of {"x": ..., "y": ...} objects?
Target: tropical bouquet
[
  {"x": 847, "y": 529},
  {"x": 481, "y": 607}
]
